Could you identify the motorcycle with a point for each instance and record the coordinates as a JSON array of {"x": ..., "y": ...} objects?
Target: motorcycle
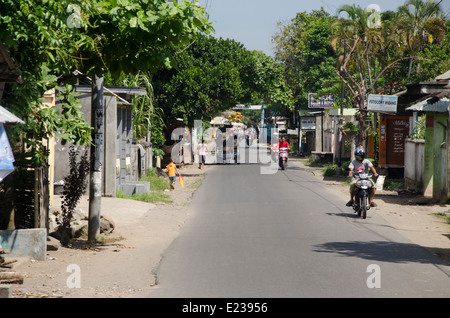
[
  {"x": 362, "y": 193},
  {"x": 283, "y": 157}
]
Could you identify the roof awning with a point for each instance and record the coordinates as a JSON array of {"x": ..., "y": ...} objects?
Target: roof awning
[
  {"x": 445, "y": 76},
  {"x": 441, "y": 106},
  {"x": 417, "y": 107},
  {"x": 6, "y": 117}
]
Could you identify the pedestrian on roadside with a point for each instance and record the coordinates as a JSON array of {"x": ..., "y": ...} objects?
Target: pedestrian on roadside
[
  {"x": 172, "y": 172},
  {"x": 202, "y": 155}
]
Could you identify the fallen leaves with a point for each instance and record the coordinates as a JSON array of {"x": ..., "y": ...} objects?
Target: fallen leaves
[{"x": 118, "y": 247}]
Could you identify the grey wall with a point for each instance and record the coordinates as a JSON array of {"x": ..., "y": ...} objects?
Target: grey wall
[{"x": 109, "y": 158}]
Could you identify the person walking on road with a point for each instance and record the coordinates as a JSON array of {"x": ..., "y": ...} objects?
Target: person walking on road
[{"x": 172, "y": 172}]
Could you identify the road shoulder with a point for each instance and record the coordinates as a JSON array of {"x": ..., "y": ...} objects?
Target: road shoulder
[{"x": 124, "y": 265}]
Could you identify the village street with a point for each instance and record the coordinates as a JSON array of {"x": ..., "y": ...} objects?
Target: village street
[
  {"x": 239, "y": 237},
  {"x": 98, "y": 97}
]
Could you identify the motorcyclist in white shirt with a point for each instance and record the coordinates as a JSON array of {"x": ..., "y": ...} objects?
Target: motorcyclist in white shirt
[{"x": 361, "y": 164}]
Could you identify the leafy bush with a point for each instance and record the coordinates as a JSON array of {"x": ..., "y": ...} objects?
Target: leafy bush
[
  {"x": 419, "y": 129},
  {"x": 74, "y": 186},
  {"x": 152, "y": 197},
  {"x": 331, "y": 170},
  {"x": 157, "y": 183}
]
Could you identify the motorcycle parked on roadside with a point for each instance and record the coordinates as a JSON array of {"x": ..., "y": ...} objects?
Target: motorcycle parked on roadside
[{"x": 362, "y": 193}]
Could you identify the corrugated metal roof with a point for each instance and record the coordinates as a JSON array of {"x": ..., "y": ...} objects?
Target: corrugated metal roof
[
  {"x": 418, "y": 106},
  {"x": 440, "y": 106},
  {"x": 436, "y": 102},
  {"x": 6, "y": 117}
]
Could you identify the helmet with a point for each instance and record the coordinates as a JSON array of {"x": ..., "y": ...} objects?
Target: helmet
[{"x": 359, "y": 154}]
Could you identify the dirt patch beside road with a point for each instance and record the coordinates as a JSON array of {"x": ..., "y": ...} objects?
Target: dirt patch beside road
[{"x": 123, "y": 266}]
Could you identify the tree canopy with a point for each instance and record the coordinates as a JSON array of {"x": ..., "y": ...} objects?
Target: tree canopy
[
  {"x": 375, "y": 51},
  {"x": 303, "y": 46},
  {"x": 48, "y": 40},
  {"x": 383, "y": 51},
  {"x": 213, "y": 75}
]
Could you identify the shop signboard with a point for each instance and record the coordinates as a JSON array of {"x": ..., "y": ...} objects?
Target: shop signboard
[
  {"x": 382, "y": 103},
  {"x": 324, "y": 101}
]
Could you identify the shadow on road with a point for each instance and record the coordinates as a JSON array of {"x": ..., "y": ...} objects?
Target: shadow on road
[{"x": 383, "y": 251}]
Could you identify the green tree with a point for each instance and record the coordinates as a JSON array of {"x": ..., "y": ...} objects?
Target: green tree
[
  {"x": 421, "y": 24},
  {"x": 365, "y": 61},
  {"x": 212, "y": 76},
  {"x": 42, "y": 46},
  {"x": 204, "y": 83},
  {"x": 376, "y": 53},
  {"x": 303, "y": 47},
  {"x": 269, "y": 83},
  {"x": 144, "y": 35},
  {"x": 50, "y": 39}
]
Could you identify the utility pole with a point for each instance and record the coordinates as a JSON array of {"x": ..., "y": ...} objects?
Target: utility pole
[{"x": 95, "y": 186}]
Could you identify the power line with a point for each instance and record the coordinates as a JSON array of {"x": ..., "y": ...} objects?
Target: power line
[
  {"x": 331, "y": 9},
  {"x": 447, "y": 14}
]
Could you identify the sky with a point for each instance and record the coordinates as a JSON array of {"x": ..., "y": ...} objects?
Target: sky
[{"x": 254, "y": 22}]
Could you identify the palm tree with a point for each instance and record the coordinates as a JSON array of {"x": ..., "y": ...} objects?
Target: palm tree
[
  {"x": 360, "y": 65},
  {"x": 371, "y": 55},
  {"x": 420, "y": 23}
]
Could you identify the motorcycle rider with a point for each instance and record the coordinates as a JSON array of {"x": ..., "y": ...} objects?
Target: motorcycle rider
[
  {"x": 283, "y": 143},
  {"x": 361, "y": 164}
]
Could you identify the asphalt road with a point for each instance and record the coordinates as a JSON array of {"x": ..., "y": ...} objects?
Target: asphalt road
[{"x": 255, "y": 234}]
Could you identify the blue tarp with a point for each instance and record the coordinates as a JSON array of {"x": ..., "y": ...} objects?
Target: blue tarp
[{"x": 6, "y": 155}]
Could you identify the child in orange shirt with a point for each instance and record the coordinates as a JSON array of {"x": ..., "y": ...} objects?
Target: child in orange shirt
[{"x": 172, "y": 172}]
